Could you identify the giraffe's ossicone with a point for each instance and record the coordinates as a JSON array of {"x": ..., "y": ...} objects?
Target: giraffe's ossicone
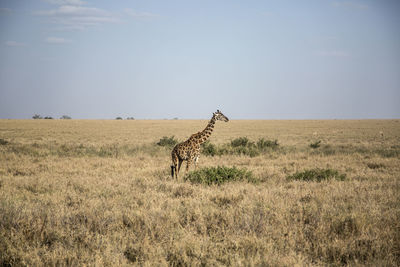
[{"x": 189, "y": 150}]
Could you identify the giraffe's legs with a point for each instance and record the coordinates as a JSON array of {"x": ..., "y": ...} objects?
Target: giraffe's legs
[
  {"x": 174, "y": 170},
  {"x": 196, "y": 159},
  {"x": 179, "y": 167},
  {"x": 188, "y": 164}
]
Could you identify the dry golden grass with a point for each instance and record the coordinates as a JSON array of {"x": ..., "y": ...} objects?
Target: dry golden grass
[{"x": 82, "y": 192}]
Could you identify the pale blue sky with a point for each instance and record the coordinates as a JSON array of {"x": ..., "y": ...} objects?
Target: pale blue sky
[{"x": 311, "y": 59}]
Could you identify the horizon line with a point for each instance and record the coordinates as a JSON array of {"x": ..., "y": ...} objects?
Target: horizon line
[{"x": 187, "y": 119}]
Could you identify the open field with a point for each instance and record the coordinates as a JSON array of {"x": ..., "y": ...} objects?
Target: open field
[{"x": 99, "y": 192}]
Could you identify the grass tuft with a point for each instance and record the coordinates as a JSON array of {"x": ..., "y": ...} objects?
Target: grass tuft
[
  {"x": 134, "y": 254},
  {"x": 373, "y": 165},
  {"x": 183, "y": 191},
  {"x": 3, "y": 142},
  {"x": 263, "y": 144},
  {"x": 344, "y": 227},
  {"x": 316, "y": 144},
  {"x": 317, "y": 175},
  {"x": 219, "y": 175}
]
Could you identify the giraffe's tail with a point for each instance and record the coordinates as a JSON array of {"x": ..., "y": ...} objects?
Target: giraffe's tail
[{"x": 173, "y": 170}]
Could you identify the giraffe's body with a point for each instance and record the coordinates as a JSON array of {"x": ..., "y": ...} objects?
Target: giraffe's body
[{"x": 189, "y": 150}]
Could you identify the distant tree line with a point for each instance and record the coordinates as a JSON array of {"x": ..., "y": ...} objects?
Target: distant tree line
[
  {"x": 66, "y": 117},
  {"x": 39, "y": 117},
  {"x": 128, "y": 118}
]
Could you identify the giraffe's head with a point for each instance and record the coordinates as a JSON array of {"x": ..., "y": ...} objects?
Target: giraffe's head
[{"x": 220, "y": 117}]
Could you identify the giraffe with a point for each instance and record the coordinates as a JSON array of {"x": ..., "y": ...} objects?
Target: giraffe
[{"x": 189, "y": 150}]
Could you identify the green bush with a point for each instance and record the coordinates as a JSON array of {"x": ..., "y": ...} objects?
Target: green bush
[
  {"x": 317, "y": 175},
  {"x": 392, "y": 152},
  {"x": 3, "y": 142},
  {"x": 37, "y": 117},
  {"x": 209, "y": 149},
  {"x": 263, "y": 144},
  {"x": 240, "y": 142},
  {"x": 219, "y": 175},
  {"x": 373, "y": 165},
  {"x": 167, "y": 141},
  {"x": 316, "y": 144},
  {"x": 240, "y": 146}
]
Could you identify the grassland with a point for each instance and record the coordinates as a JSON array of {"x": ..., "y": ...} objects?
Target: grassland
[{"x": 83, "y": 192}]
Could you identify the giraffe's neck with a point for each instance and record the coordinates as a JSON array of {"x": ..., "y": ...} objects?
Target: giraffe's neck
[{"x": 202, "y": 136}]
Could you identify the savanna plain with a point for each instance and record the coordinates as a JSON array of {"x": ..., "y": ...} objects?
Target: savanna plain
[{"x": 99, "y": 192}]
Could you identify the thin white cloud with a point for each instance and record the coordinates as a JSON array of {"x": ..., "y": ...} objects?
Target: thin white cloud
[
  {"x": 66, "y": 2},
  {"x": 57, "y": 40},
  {"x": 350, "y": 4},
  {"x": 133, "y": 13},
  {"x": 77, "y": 17},
  {"x": 73, "y": 11},
  {"x": 331, "y": 53},
  {"x": 14, "y": 44}
]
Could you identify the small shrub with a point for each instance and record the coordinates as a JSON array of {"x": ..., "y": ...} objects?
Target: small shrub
[
  {"x": 65, "y": 117},
  {"x": 392, "y": 152},
  {"x": 167, "y": 141},
  {"x": 130, "y": 118},
  {"x": 344, "y": 227},
  {"x": 219, "y": 175},
  {"x": 48, "y": 118},
  {"x": 118, "y": 118},
  {"x": 317, "y": 175},
  {"x": 316, "y": 144},
  {"x": 3, "y": 142},
  {"x": 208, "y": 149},
  {"x": 240, "y": 146},
  {"x": 134, "y": 254},
  {"x": 36, "y": 117},
  {"x": 375, "y": 165},
  {"x": 240, "y": 142},
  {"x": 226, "y": 200},
  {"x": 183, "y": 191},
  {"x": 263, "y": 144}
]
